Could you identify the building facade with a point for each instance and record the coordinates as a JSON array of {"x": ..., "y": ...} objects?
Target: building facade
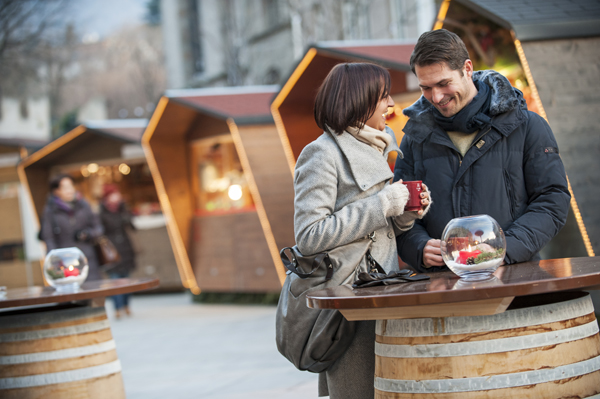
[{"x": 241, "y": 42}]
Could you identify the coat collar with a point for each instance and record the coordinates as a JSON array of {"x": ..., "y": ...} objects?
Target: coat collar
[
  {"x": 504, "y": 108},
  {"x": 369, "y": 167}
]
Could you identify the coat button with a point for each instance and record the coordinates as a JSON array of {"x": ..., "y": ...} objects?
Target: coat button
[{"x": 390, "y": 235}]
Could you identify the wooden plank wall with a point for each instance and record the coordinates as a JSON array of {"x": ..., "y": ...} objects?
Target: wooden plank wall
[
  {"x": 273, "y": 179},
  {"x": 170, "y": 148},
  {"x": 230, "y": 254}
]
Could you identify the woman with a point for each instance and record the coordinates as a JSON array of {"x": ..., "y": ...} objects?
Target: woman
[
  {"x": 68, "y": 221},
  {"x": 115, "y": 219},
  {"x": 343, "y": 193}
]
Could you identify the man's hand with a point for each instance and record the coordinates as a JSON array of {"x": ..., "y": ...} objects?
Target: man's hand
[{"x": 432, "y": 254}]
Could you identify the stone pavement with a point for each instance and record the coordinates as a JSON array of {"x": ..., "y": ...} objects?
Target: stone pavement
[{"x": 173, "y": 348}]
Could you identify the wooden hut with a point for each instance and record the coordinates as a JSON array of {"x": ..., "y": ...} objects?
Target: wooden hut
[
  {"x": 293, "y": 107},
  {"x": 551, "y": 52},
  {"x": 19, "y": 261},
  {"x": 223, "y": 184},
  {"x": 103, "y": 152}
]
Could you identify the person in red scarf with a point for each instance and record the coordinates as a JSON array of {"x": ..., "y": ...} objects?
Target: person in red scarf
[{"x": 116, "y": 219}]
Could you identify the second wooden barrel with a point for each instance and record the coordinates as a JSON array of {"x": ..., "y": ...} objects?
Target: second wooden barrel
[
  {"x": 550, "y": 349},
  {"x": 59, "y": 353}
]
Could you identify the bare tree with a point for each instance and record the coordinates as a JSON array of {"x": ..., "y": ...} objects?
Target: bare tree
[{"x": 23, "y": 26}]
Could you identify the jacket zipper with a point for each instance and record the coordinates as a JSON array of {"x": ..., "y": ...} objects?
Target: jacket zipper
[{"x": 509, "y": 192}]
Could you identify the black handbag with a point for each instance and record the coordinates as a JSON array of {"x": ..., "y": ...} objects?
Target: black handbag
[{"x": 314, "y": 339}]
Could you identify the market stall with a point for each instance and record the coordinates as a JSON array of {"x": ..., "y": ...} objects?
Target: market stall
[
  {"x": 109, "y": 152},
  {"x": 19, "y": 257},
  {"x": 222, "y": 181}
]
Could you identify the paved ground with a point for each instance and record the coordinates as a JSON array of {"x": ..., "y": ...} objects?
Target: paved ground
[{"x": 173, "y": 348}]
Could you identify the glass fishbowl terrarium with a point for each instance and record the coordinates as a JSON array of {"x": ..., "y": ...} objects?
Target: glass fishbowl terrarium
[
  {"x": 473, "y": 247},
  {"x": 66, "y": 269}
]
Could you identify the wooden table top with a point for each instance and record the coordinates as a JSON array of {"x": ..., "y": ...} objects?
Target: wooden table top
[
  {"x": 89, "y": 290},
  {"x": 527, "y": 278}
]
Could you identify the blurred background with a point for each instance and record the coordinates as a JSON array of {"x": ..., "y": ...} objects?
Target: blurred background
[{"x": 196, "y": 111}]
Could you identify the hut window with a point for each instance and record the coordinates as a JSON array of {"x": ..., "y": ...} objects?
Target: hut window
[{"x": 220, "y": 184}]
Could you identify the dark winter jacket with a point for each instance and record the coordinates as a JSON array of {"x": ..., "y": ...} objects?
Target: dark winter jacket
[
  {"x": 115, "y": 224},
  {"x": 60, "y": 225},
  {"x": 512, "y": 172}
]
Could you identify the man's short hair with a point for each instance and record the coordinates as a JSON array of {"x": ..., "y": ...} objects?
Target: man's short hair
[
  {"x": 439, "y": 46},
  {"x": 349, "y": 95}
]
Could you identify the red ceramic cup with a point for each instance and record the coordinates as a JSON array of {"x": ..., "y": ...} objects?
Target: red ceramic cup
[{"x": 414, "y": 195}]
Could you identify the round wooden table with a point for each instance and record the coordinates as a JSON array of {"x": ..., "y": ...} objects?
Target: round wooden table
[
  {"x": 530, "y": 332},
  {"x": 59, "y": 345}
]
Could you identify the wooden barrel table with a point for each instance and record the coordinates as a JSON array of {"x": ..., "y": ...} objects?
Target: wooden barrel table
[
  {"x": 546, "y": 351},
  {"x": 59, "y": 353},
  {"x": 56, "y": 345},
  {"x": 529, "y": 333}
]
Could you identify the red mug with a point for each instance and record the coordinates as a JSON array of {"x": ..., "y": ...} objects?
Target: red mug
[{"x": 414, "y": 195}]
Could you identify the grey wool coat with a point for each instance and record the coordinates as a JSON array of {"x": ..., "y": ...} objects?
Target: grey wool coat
[{"x": 337, "y": 181}]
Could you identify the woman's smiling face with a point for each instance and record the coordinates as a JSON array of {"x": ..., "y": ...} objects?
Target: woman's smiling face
[{"x": 377, "y": 120}]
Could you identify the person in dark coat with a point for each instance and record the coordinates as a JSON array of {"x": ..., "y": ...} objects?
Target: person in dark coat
[
  {"x": 471, "y": 139},
  {"x": 116, "y": 219},
  {"x": 68, "y": 221}
]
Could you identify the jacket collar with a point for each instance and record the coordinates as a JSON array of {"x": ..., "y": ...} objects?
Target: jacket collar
[
  {"x": 506, "y": 101},
  {"x": 369, "y": 167}
]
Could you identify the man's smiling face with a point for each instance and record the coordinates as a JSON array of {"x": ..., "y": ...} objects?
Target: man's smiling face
[{"x": 448, "y": 90}]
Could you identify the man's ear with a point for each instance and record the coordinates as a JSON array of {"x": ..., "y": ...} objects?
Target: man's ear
[{"x": 468, "y": 68}]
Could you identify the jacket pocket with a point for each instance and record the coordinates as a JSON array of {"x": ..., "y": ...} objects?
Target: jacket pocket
[{"x": 510, "y": 192}]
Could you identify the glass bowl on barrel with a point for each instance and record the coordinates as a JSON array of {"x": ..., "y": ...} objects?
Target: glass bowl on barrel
[
  {"x": 473, "y": 247},
  {"x": 66, "y": 269}
]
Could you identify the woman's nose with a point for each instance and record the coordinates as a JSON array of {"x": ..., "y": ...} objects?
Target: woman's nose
[{"x": 391, "y": 102}]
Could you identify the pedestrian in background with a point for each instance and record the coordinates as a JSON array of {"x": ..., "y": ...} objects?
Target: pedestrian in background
[
  {"x": 68, "y": 221},
  {"x": 116, "y": 219}
]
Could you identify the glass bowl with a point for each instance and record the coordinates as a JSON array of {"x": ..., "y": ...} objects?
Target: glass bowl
[
  {"x": 462, "y": 284},
  {"x": 66, "y": 269},
  {"x": 473, "y": 247}
]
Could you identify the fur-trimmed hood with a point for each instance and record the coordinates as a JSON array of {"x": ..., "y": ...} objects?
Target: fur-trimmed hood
[{"x": 505, "y": 98}]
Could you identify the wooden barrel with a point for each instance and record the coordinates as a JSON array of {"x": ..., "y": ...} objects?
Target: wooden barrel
[
  {"x": 58, "y": 353},
  {"x": 548, "y": 349}
]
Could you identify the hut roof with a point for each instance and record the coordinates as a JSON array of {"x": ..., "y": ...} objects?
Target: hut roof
[
  {"x": 127, "y": 130},
  {"x": 16, "y": 142},
  {"x": 391, "y": 53},
  {"x": 542, "y": 19},
  {"x": 245, "y": 104}
]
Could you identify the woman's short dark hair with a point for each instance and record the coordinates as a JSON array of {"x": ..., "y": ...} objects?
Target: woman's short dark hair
[
  {"x": 55, "y": 181},
  {"x": 349, "y": 95},
  {"x": 437, "y": 47}
]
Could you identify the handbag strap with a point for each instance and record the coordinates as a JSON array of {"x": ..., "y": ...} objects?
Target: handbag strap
[
  {"x": 292, "y": 265},
  {"x": 374, "y": 266}
]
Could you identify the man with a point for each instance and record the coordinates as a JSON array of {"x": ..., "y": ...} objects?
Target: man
[{"x": 473, "y": 142}]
